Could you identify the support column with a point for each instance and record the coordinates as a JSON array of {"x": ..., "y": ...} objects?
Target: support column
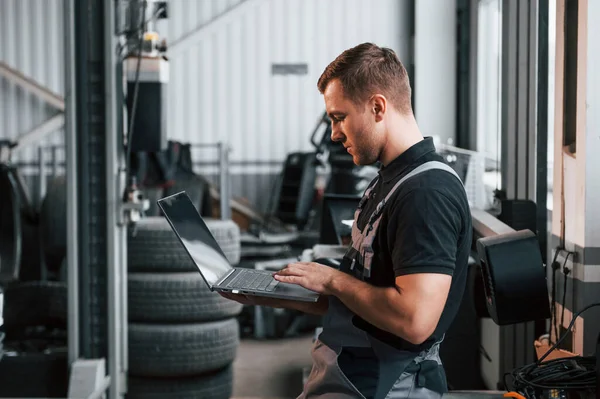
[
  {"x": 97, "y": 239},
  {"x": 90, "y": 112},
  {"x": 576, "y": 218}
]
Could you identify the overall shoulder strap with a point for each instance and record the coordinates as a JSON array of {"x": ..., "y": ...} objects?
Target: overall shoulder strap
[
  {"x": 420, "y": 169},
  {"x": 367, "y": 193}
]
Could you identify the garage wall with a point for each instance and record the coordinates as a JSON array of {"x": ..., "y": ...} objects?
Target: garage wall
[
  {"x": 221, "y": 84},
  {"x": 31, "y": 41}
]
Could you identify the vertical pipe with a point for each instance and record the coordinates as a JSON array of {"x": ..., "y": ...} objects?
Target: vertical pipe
[
  {"x": 224, "y": 181},
  {"x": 71, "y": 178},
  {"x": 41, "y": 175},
  {"x": 114, "y": 244},
  {"x": 122, "y": 239},
  {"x": 227, "y": 181},
  {"x": 54, "y": 160},
  {"x": 41, "y": 194}
]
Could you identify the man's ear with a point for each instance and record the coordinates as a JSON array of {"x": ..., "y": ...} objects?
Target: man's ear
[{"x": 378, "y": 106}]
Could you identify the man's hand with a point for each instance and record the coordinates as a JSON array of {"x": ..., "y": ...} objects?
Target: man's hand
[{"x": 310, "y": 275}]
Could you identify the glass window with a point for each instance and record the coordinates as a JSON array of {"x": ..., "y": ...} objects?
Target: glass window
[{"x": 489, "y": 75}]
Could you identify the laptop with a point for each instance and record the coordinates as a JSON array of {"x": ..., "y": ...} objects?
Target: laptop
[{"x": 207, "y": 255}]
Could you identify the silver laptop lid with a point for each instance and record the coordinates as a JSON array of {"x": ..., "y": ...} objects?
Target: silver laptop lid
[{"x": 195, "y": 237}]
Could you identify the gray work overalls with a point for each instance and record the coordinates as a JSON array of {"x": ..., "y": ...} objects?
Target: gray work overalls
[{"x": 402, "y": 373}]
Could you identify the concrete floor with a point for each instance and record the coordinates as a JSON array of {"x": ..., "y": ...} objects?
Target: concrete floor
[{"x": 271, "y": 369}]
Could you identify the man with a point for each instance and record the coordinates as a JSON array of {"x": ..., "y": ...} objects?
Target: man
[{"x": 400, "y": 284}]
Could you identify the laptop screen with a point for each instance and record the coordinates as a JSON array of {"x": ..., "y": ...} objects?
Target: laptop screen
[{"x": 196, "y": 237}]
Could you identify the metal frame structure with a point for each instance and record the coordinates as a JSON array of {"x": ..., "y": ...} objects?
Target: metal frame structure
[
  {"x": 519, "y": 99},
  {"x": 116, "y": 228},
  {"x": 71, "y": 177},
  {"x": 32, "y": 86}
]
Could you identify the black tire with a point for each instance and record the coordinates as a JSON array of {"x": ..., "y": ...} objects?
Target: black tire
[
  {"x": 35, "y": 303},
  {"x": 154, "y": 247},
  {"x": 180, "y": 350},
  {"x": 176, "y": 297},
  {"x": 215, "y": 385},
  {"x": 53, "y": 223}
]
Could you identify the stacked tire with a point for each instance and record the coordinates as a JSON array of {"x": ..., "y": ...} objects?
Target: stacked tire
[{"x": 183, "y": 338}]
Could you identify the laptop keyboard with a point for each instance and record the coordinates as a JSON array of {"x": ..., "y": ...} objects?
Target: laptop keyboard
[{"x": 252, "y": 280}]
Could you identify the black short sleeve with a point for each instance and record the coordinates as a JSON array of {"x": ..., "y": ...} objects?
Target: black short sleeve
[{"x": 423, "y": 233}]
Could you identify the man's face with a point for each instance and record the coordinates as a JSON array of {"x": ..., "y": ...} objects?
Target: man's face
[{"x": 352, "y": 125}]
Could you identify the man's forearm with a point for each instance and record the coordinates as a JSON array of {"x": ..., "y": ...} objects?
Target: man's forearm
[{"x": 377, "y": 305}]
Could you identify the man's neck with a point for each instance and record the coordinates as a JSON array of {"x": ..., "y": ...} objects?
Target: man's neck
[{"x": 406, "y": 133}]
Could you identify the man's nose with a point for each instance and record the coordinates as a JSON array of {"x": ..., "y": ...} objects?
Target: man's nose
[{"x": 336, "y": 134}]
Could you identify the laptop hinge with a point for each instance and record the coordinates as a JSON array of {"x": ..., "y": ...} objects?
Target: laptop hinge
[{"x": 225, "y": 277}]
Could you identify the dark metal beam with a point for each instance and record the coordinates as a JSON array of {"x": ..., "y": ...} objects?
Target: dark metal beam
[
  {"x": 91, "y": 188},
  {"x": 542, "y": 129}
]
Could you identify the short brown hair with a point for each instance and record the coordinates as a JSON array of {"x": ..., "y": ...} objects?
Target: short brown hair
[{"x": 367, "y": 68}]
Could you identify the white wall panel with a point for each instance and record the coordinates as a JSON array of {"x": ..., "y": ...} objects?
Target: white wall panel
[
  {"x": 31, "y": 41},
  {"x": 222, "y": 87}
]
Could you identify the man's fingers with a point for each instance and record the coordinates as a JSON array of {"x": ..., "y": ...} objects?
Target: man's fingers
[
  {"x": 293, "y": 269},
  {"x": 288, "y": 279},
  {"x": 299, "y": 265},
  {"x": 286, "y": 271}
]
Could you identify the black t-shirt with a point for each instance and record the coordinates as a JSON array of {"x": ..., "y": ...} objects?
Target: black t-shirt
[{"x": 426, "y": 227}]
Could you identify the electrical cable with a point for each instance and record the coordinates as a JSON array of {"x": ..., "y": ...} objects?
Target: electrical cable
[
  {"x": 135, "y": 96},
  {"x": 555, "y": 267},
  {"x": 564, "y": 301},
  {"x": 572, "y": 373}
]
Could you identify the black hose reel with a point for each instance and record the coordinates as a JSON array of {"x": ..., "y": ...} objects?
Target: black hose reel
[{"x": 514, "y": 278}]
